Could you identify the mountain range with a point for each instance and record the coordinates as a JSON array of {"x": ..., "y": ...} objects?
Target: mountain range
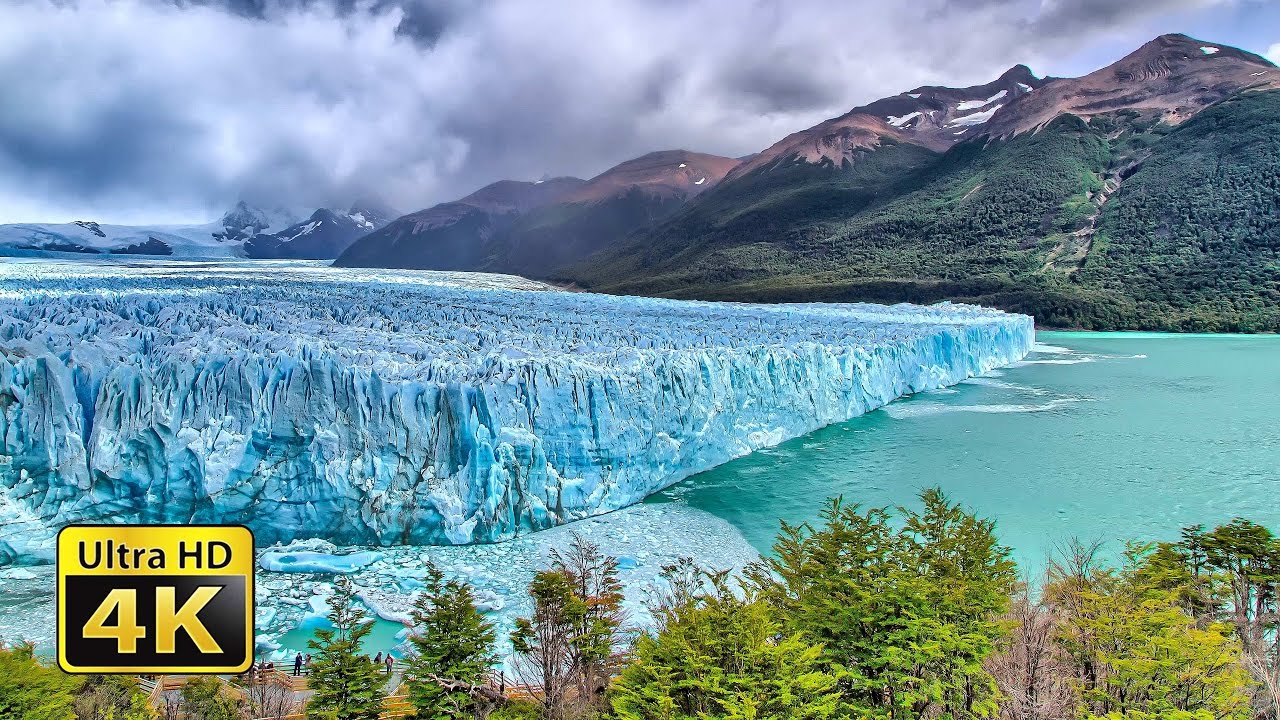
[
  {"x": 538, "y": 228},
  {"x": 1142, "y": 195},
  {"x": 243, "y": 231}
]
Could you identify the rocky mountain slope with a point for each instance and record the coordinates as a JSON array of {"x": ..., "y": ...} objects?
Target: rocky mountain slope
[
  {"x": 536, "y": 228},
  {"x": 1142, "y": 195}
]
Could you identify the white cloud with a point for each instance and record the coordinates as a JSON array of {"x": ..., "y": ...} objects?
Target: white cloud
[
  {"x": 1273, "y": 53},
  {"x": 130, "y": 109}
]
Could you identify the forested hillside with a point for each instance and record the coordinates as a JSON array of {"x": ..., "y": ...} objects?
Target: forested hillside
[
  {"x": 1120, "y": 220},
  {"x": 1193, "y": 237}
]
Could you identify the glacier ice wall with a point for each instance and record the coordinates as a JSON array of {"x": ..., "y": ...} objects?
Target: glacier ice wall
[{"x": 384, "y": 407}]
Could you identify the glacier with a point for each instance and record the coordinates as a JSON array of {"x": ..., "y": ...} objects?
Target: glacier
[{"x": 380, "y": 408}]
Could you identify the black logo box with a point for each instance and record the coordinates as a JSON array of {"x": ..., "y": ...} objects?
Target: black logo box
[{"x": 223, "y": 616}]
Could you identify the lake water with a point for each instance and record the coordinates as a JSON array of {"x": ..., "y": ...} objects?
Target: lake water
[{"x": 1100, "y": 436}]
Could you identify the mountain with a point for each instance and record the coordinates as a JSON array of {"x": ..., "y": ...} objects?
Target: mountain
[
  {"x": 323, "y": 236},
  {"x": 536, "y": 228},
  {"x": 1142, "y": 195},
  {"x": 245, "y": 221},
  {"x": 243, "y": 231}
]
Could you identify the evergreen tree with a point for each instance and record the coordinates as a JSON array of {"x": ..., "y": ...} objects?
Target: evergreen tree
[
  {"x": 346, "y": 685},
  {"x": 452, "y": 641},
  {"x": 906, "y": 612},
  {"x": 33, "y": 690},
  {"x": 718, "y": 656}
]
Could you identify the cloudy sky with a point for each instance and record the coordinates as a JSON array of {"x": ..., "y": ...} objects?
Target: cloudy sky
[{"x": 170, "y": 110}]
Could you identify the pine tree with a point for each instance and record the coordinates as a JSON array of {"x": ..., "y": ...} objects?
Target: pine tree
[
  {"x": 452, "y": 641},
  {"x": 346, "y": 685}
]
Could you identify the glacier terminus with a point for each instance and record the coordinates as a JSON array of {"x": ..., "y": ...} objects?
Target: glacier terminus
[{"x": 377, "y": 408}]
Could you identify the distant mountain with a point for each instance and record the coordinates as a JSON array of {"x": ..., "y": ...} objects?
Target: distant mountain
[
  {"x": 536, "y": 228},
  {"x": 323, "y": 236},
  {"x": 243, "y": 231},
  {"x": 1142, "y": 195}
]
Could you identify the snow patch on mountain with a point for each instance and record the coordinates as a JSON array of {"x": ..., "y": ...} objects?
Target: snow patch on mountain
[
  {"x": 975, "y": 104},
  {"x": 1209, "y": 50},
  {"x": 974, "y": 119},
  {"x": 900, "y": 121}
]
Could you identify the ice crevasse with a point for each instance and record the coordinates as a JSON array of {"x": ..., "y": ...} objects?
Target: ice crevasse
[{"x": 389, "y": 407}]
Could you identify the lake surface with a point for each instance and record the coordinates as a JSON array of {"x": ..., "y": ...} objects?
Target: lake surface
[{"x": 1099, "y": 436}]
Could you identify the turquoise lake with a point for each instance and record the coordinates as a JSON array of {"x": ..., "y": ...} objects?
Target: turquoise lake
[{"x": 1106, "y": 436}]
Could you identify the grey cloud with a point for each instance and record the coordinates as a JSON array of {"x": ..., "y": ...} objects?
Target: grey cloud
[{"x": 178, "y": 107}]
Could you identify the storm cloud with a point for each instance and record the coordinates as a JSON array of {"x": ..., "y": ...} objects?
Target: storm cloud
[{"x": 165, "y": 111}]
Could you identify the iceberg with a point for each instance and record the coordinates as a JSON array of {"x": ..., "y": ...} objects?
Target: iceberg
[
  {"x": 314, "y": 562},
  {"x": 380, "y": 408}
]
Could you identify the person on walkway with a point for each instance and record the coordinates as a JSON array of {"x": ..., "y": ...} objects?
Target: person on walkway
[
  {"x": 297, "y": 665},
  {"x": 377, "y": 659},
  {"x": 390, "y": 662}
]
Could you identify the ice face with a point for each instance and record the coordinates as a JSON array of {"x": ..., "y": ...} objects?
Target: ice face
[{"x": 373, "y": 407}]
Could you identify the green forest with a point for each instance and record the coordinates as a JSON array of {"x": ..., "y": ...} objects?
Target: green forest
[
  {"x": 899, "y": 613},
  {"x": 1117, "y": 222}
]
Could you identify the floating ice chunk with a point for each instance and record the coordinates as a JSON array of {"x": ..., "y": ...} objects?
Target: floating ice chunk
[
  {"x": 313, "y": 562},
  {"x": 975, "y": 104}
]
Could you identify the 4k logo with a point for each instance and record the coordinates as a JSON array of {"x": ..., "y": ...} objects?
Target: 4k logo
[{"x": 155, "y": 599}]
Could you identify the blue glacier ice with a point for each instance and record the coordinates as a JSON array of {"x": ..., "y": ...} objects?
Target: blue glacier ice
[{"x": 377, "y": 408}]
